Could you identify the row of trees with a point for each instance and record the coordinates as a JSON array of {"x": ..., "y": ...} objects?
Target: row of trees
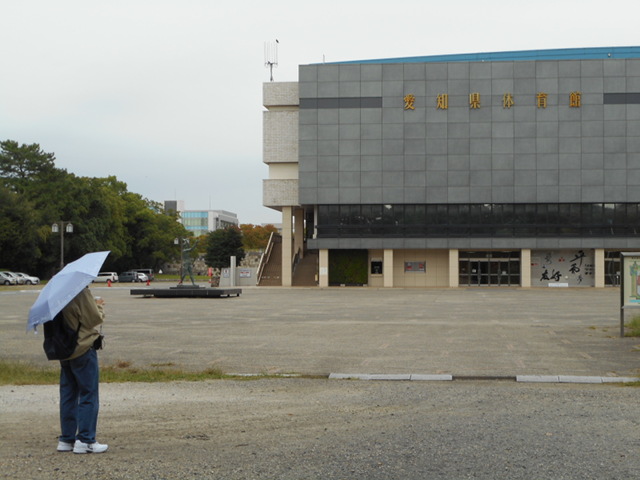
[{"x": 34, "y": 194}]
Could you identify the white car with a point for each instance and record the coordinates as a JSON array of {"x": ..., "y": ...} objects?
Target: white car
[
  {"x": 28, "y": 279},
  {"x": 142, "y": 277},
  {"x": 7, "y": 279},
  {"x": 104, "y": 277},
  {"x": 19, "y": 280}
]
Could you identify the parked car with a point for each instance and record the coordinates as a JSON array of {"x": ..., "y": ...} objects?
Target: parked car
[
  {"x": 142, "y": 277},
  {"x": 28, "y": 279},
  {"x": 133, "y": 277},
  {"x": 147, "y": 271},
  {"x": 7, "y": 279},
  {"x": 19, "y": 281},
  {"x": 104, "y": 277}
]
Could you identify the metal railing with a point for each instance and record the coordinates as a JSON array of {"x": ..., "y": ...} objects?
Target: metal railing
[{"x": 264, "y": 259}]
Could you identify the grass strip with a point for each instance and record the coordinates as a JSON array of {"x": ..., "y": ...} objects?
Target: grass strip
[{"x": 22, "y": 373}]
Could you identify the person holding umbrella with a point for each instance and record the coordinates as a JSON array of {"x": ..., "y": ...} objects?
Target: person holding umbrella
[
  {"x": 79, "y": 378},
  {"x": 67, "y": 292}
]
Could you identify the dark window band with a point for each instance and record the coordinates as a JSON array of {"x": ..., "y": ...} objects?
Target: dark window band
[
  {"x": 344, "y": 102},
  {"x": 622, "y": 98},
  {"x": 480, "y": 220}
]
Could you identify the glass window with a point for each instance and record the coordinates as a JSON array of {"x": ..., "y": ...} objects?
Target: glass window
[
  {"x": 612, "y": 269},
  {"x": 485, "y": 220},
  {"x": 633, "y": 219},
  {"x": 620, "y": 218},
  {"x": 376, "y": 267}
]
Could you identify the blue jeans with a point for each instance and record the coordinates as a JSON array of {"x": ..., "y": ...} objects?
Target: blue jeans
[{"x": 79, "y": 398}]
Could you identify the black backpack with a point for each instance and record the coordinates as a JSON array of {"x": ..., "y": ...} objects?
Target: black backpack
[{"x": 60, "y": 341}]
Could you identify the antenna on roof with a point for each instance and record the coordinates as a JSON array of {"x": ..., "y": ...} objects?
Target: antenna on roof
[{"x": 271, "y": 56}]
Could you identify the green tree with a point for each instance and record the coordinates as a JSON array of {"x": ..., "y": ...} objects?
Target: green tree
[
  {"x": 30, "y": 174},
  {"x": 222, "y": 245},
  {"x": 18, "y": 234},
  {"x": 21, "y": 164},
  {"x": 150, "y": 233},
  {"x": 106, "y": 216}
]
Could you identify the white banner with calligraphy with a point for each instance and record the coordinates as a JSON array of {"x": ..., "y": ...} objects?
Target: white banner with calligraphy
[{"x": 570, "y": 268}]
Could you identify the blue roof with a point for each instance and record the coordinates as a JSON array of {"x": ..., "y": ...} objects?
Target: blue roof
[{"x": 594, "y": 53}]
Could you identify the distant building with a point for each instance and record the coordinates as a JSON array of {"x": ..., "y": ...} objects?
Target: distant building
[
  {"x": 201, "y": 222},
  {"x": 174, "y": 206}
]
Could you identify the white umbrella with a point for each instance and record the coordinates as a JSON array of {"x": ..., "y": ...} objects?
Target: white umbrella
[{"x": 64, "y": 286}]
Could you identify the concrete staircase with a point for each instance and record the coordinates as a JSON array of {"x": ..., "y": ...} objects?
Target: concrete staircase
[
  {"x": 306, "y": 271},
  {"x": 272, "y": 273}
]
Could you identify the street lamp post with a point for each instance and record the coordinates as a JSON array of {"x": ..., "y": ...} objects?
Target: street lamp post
[{"x": 62, "y": 227}]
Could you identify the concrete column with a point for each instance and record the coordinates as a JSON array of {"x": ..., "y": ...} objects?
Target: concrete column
[
  {"x": 525, "y": 267},
  {"x": 599, "y": 268},
  {"x": 454, "y": 268},
  {"x": 287, "y": 246},
  {"x": 387, "y": 269},
  {"x": 298, "y": 232},
  {"x": 232, "y": 271},
  {"x": 323, "y": 268}
]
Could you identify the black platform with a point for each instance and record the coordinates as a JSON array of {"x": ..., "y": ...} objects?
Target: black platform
[{"x": 187, "y": 291}]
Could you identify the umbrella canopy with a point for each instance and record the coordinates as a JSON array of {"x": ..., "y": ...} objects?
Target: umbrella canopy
[{"x": 64, "y": 286}]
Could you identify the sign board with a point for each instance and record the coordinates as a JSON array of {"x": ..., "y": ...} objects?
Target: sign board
[
  {"x": 415, "y": 266},
  {"x": 630, "y": 275},
  {"x": 629, "y": 283}
]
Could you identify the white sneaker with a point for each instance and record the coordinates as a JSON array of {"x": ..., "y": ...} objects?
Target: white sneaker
[
  {"x": 95, "y": 447},
  {"x": 64, "y": 446}
]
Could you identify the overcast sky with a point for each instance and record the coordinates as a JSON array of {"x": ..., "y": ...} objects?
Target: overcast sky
[{"x": 167, "y": 94}]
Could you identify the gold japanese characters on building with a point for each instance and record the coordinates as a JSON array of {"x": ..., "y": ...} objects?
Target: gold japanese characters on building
[
  {"x": 541, "y": 100},
  {"x": 575, "y": 99},
  {"x": 474, "y": 101},
  {"x": 442, "y": 101},
  {"x": 508, "y": 100},
  {"x": 409, "y": 102}
]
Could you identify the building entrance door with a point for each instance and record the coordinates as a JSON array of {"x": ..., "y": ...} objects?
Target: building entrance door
[{"x": 481, "y": 269}]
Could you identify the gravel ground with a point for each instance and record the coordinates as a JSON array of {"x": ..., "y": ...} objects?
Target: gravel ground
[{"x": 332, "y": 429}]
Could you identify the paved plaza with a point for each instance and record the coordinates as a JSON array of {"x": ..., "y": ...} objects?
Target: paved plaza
[
  {"x": 490, "y": 332},
  {"x": 318, "y": 428}
]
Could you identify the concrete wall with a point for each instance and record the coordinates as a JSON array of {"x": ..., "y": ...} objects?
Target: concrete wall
[
  {"x": 280, "y": 143},
  {"x": 278, "y": 193},
  {"x": 244, "y": 277},
  {"x": 436, "y": 272},
  {"x": 436, "y": 268}
]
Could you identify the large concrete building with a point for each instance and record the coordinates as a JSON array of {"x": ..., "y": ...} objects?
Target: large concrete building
[{"x": 511, "y": 168}]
